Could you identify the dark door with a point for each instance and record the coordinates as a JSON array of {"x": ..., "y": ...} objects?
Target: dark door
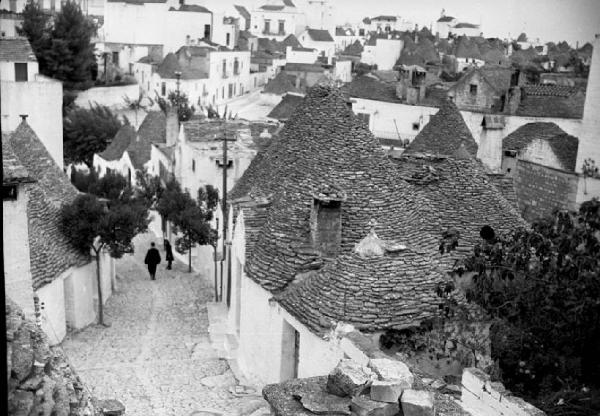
[{"x": 20, "y": 71}]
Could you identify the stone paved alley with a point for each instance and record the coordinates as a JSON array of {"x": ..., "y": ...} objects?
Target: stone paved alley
[{"x": 156, "y": 357}]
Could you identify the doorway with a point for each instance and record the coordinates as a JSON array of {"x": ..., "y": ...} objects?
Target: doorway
[{"x": 290, "y": 352}]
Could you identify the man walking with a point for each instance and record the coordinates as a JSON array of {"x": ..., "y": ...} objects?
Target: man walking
[
  {"x": 152, "y": 260},
  {"x": 168, "y": 254}
]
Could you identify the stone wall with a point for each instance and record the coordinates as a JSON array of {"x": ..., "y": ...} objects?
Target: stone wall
[
  {"x": 40, "y": 379},
  {"x": 481, "y": 98},
  {"x": 109, "y": 96},
  {"x": 540, "y": 189}
]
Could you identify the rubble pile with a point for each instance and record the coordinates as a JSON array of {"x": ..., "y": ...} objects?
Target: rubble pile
[{"x": 40, "y": 380}]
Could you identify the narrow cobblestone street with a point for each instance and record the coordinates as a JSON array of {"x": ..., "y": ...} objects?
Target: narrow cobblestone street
[{"x": 156, "y": 356}]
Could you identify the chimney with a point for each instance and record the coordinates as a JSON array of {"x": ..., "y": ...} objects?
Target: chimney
[
  {"x": 326, "y": 221},
  {"x": 23, "y": 117},
  {"x": 172, "y": 127}
]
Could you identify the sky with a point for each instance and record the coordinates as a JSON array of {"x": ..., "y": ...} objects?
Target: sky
[{"x": 549, "y": 20}]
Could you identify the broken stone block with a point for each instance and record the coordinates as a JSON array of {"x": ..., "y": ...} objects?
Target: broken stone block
[
  {"x": 363, "y": 406},
  {"x": 417, "y": 403},
  {"x": 323, "y": 404},
  {"x": 32, "y": 383},
  {"x": 386, "y": 391},
  {"x": 22, "y": 356},
  {"x": 20, "y": 403},
  {"x": 347, "y": 378},
  {"x": 392, "y": 370},
  {"x": 111, "y": 408}
]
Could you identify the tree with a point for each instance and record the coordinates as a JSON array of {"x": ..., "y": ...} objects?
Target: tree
[
  {"x": 88, "y": 131},
  {"x": 149, "y": 188},
  {"x": 63, "y": 49},
  {"x": 35, "y": 28},
  {"x": 95, "y": 226},
  {"x": 111, "y": 186},
  {"x": 180, "y": 101},
  {"x": 190, "y": 218},
  {"x": 141, "y": 103},
  {"x": 542, "y": 287}
]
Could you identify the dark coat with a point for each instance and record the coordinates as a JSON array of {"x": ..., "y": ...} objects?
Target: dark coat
[
  {"x": 168, "y": 251},
  {"x": 152, "y": 257}
]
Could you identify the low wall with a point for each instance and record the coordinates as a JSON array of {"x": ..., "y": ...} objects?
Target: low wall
[
  {"x": 112, "y": 97},
  {"x": 480, "y": 396}
]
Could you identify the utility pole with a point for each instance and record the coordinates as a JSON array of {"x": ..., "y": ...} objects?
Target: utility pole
[
  {"x": 178, "y": 76},
  {"x": 225, "y": 139}
]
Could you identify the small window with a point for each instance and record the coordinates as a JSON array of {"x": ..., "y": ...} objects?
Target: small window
[
  {"x": 115, "y": 58},
  {"x": 364, "y": 117},
  {"x": 193, "y": 165},
  {"x": 415, "y": 126},
  {"x": 163, "y": 89},
  {"x": 227, "y": 39},
  {"x": 20, "y": 71},
  {"x": 9, "y": 193},
  {"x": 473, "y": 89},
  {"x": 207, "y": 31},
  {"x": 510, "y": 153}
]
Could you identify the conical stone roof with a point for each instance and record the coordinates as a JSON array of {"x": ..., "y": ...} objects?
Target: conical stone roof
[
  {"x": 325, "y": 146},
  {"x": 444, "y": 134}
]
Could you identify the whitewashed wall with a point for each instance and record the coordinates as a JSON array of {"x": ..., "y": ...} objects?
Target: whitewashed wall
[
  {"x": 15, "y": 247},
  {"x": 52, "y": 304},
  {"x": 41, "y": 99}
]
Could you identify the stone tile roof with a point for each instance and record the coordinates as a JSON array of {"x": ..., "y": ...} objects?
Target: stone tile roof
[
  {"x": 463, "y": 194},
  {"x": 298, "y": 67},
  {"x": 13, "y": 172},
  {"x": 370, "y": 88},
  {"x": 290, "y": 40},
  {"x": 355, "y": 49},
  {"x": 385, "y": 18},
  {"x": 445, "y": 19},
  {"x": 119, "y": 143},
  {"x": 325, "y": 146},
  {"x": 444, "y": 134},
  {"x": 564, "y": 145},
  {"x": 51, "y": 252},
  {"x": 465, "y": 25},
  {"x": 289, "y": 3},
  {"x": 282, "y": 84},
  {"x": 499, "y": 77},
  {"x": 242, "y": 11},
  {"x": 286, "y": 107},
  {"x": 153, "y": 130},
  {"x": 136, "y": 1},
  {"x": 550, "y": 90},
  {"x": 167, "y": 68},
  {"x": 505, "y": 184},
  {"x": 546, "y": 101},
  {"x": 16, "y": 50},
  {"x": 342, "y": 31},
  {"x": 272, "y": 8},
  {"x": 319, "y": 35},
  {"x": 190, "y": 8},
  {"x": 211, "y": 131},
  {"x": 466, "y": 48}
]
